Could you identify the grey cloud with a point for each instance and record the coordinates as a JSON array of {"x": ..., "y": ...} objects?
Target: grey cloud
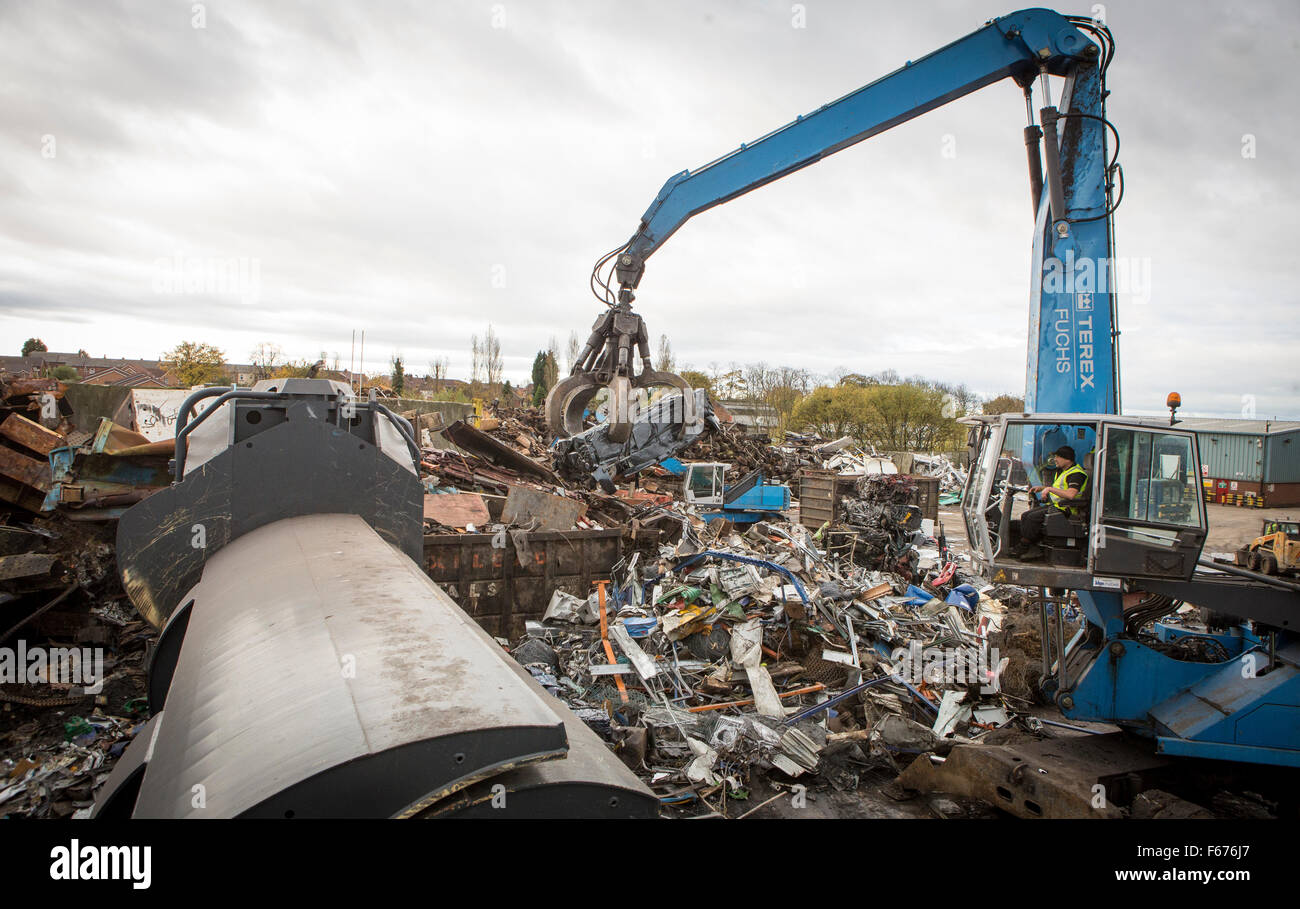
[{"x": 386, "y": 161}]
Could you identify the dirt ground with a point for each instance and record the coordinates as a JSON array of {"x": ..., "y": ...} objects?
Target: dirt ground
[{"x": 1232, "y": 526}]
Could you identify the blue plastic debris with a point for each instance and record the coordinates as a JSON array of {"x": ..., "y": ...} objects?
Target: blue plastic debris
[
  {"x": 639, "y": 627},
  {"x": 918, "y": 597},
  {"x": 965, "y": 596}
]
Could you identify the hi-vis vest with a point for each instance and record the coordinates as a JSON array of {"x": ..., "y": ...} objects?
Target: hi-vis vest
[{"x": 1062, "y": 482}]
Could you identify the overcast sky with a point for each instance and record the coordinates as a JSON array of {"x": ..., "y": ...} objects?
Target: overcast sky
[{"x": 418, "y": 170}]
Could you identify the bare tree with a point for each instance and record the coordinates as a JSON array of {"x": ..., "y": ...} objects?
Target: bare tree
[
  {"x": 787, "y": 386},
  {"x": 756, "y": 382},
  {"x": 575, "y": 348},
  {"x": 438, "y": 372},
  {"x": 266, "y": 357},
  {"x": 476, "y": 364},
  {"x": 492, "y": 362},
  {"x": 731, "y": 384},
  {"x": 959, "y": 399},
  {"x": 665, "y": 362}
]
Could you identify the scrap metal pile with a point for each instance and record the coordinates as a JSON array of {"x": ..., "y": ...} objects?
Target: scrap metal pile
[
  {"x": 71, "y": 647},
  {"x": 877, "y": 524},
  {"x": 746, "y": 452},
  {"x": 720, "y": 654},
  {"x": 728, "y": 656},
  {"x": 952, "y": 477}
]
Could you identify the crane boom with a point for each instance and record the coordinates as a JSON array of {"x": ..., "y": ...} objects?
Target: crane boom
[{"x": 1072, "y": 361}]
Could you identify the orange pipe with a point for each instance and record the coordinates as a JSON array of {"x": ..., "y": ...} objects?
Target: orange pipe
[{"x": 604, "y": 639}]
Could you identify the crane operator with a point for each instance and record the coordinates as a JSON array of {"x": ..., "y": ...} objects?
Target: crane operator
[{"x": 1067, "y": 494}]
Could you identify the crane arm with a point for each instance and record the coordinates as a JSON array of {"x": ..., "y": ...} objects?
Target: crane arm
[
  {"x": 1073, "y": 360},
  {"x": 1022, "y": 45}
]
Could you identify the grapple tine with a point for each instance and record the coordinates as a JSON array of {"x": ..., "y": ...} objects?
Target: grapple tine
[
  {"x": 567, "y": 402},
  {"x": 652, "y": 377},
  {"x": 620, "y": 409},
  {"x": 607, "y": 361}
]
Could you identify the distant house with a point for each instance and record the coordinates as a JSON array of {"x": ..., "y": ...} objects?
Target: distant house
[
  {"x": 122, "y": 371},
  {"x": 751, "y": 414},
  {"x": 126, "y": 374}
]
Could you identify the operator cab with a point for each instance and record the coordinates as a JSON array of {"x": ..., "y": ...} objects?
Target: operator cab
[
  {"x": 1140, "y": 513},
  {"x": 1289, "y": 529},
  {"x": 705, "y": 483}
]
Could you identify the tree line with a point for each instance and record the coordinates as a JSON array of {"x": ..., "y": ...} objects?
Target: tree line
[{"x": 883, "y": 409}]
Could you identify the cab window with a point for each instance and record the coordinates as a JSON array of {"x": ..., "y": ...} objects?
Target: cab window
[
  {"x": 702, "y": 480},
  {"x": 1150, "y": 477}
]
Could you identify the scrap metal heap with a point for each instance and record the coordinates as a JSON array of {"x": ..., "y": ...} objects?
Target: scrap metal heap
[
  {"x": 878, "y": 523},
  {"x": 714, "y": 670},
  {"x": 728, "y": 657},
  {"x": 66, "y": 715},
  {"x": 655, "y": 434}
]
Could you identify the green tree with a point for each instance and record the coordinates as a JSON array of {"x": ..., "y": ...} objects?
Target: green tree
[
  {"x": 904, "y": 416},
  {"x": 545, "y": 374},
  {"x": 697, "y": 379},
  {"x": 34, "y": 345},
  {"x": 399, "y": 376},
  {"x": 1005, "y": 404},
  {"x": 196, "y": 363},
  {"x": 665, "y": 361},
  {"x": 293, "y": 369},
  {"x": 538, "y": 376},
  {"x": 833, "y": 412},
  {"x": 908, "y": 416},
  {"x": 65, "y": 374}
]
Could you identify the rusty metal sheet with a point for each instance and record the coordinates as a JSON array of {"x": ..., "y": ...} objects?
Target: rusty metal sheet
[
  {"x": 30, "y": 386},
  {"x": 483, "y": 445},
  {"x": 456, "y": 510},
  {"x": 20, "y": 495},
  {"x": 551, "y": 512},
  {"x": 31, "y": 435},
  {"x": 816, "y": 497},
  {"x": 25, "y": 470},
  {"x": 498, "y": 591},
  {"x": 26, "y": 565},
  {"x": 1053, "y": 778}
]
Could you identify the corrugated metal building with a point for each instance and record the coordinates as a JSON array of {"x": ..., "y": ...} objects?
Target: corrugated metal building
[{"x": 1249, "y": 462}]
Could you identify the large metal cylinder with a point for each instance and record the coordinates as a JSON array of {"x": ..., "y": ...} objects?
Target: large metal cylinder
[{"x": 307, "y": 666}]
